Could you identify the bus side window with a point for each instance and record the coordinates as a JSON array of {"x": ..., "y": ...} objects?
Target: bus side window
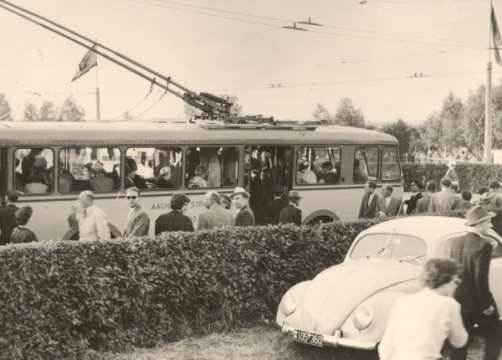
[
  {"x": 211, "y": 167},
  {"x": 365, "y": 164},
  {"x": 34, "y": 169},
  {"x": 95, "y": 169},
  {"x": 318, "y": 165},
  {"x": 154, "y": 168},
  {"x": 390, "y": 164}
]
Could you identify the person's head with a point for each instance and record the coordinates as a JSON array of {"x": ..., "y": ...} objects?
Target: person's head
[
  {"x": 130, "y": 166},
  {"x": 430, "y": 187},
  {"x": 180, "y": 202},
  {"x": 445, "y": 183},
  {"x": 294, "y": 197},
  {"x": 86, "y": 198},
  {"x": 277, "y": 190},
  {"x": 211, "y": 198},
  {"x": 226, "y": 201},
  {"x": 483, "y": 190},
  {"x": 302, "y": 167},
  {"x": 387, "y": 190},
  {"x": 98, "y": 169},
  {"x": 479, "y": 218},
  {"x": 454, "y": 188},
  {"x": 165, "y": 172},
  {"x": 240, "y": 198},
  {"x": 442, "y": 275},
  {"x": 133, "y": 196},
  {"x": 12, "y": 197},
  {"x": 495, "y": 186},
  {"x": 370, "y": 187},
  {"x": 466, "y": 195},
  {"x": 415, "y": 186},
  {"x": 201, "y": 171},
  {"x": 23, "y": 215}
]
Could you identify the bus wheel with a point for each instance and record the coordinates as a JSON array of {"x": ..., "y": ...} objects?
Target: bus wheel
[{"x": 320, "y": 220}]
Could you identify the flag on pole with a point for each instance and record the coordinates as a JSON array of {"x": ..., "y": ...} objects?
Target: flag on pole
[
  {"x": 89, "y": 60},
  {"x": 497, "y": 39}
]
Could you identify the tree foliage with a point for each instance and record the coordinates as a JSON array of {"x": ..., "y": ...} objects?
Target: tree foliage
[
  {"x": 5, "y": 111},
  {"x": 320, "y": 113},
  {"x": 407, "y": 135},
  {"x": 70, "y": 111},
  {"x": 348, "y": 115},
  {"x": 48, "y": 111}
]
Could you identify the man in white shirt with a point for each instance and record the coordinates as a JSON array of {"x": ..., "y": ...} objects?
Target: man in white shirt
[
  {"x": 92, "y": 221},
  {"x": 420, "y": 323}
]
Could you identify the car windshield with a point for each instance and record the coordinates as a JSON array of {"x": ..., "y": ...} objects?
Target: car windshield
[{"x": 389, "y": 246}]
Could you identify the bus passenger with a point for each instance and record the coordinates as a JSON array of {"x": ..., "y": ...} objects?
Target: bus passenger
[
  {"x": 360, "y": 173},
  {"x": 37, "y": 184},
  {"x": 305, "y": 175},
  {"x": 164, "y": 179},
  {"x": 132, "y": 178},
  {"x": 100, "y": 182},
  {"x": 240, "y": 200},
  {"x": 21, "y": 234},
  {"x": 199, "y": 180}
]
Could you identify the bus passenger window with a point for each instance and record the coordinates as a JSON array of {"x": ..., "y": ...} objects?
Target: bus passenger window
[
  {"x": 365, "y": 164},
  {"x": 154, "y": 168},
  {"x": 318, "y": 165},
  {"x": 390, "y": 164},
  {"x": 211, "y": 167},
  {"x": 95, "y": 169},
  {"x": 34, "y": 170}
]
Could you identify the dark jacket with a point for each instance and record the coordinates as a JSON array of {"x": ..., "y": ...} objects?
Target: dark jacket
[
  {"x": 22, "y": 234},
  {"x": 7, "y": 223},
  {"x": 173, "y": 221},
  {"x": 423, "y": 204},
  {"x": 291, "y": 214},
  {"x": 368, "y": 211},
  {"x": 474, "y": 254},
  {"x": 412, "y": 203},
  {"x": 273, "y": 210},
  {"x": 245, "y": 217}
]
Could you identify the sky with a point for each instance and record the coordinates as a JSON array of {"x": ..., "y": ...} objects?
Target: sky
[{"x": 366, "y": 51}]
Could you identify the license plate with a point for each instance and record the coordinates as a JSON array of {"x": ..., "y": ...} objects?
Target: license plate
[{"x": 309, "y": 338}]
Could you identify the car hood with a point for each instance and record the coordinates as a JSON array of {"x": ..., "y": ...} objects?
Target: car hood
[{"x": 336, "y": 292}]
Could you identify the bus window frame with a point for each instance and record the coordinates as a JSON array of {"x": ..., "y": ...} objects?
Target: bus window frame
[
  {"x": 295, "y": 159},
  {"x": 61, "y": 148},
  {"x": 12, "y": 180},
  {"x": 396, "y": 149},
  {"x": 377, "y": 177},
  {"x": 205, "y": 189},
  {"x": 156, "y": 189}
]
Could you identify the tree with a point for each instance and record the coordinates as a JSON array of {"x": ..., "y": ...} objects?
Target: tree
[
  {"x": 452, "y": 122},
  {"x": 404, "y": 133},
  {"x": 48, "y": 111},
  {"x": 70, "y": 111},
  {"x": 320, "y": 113},
  {"x": 5, "y": 111},
  {"x": 348, "y": 115},
  {"x": 30, "y": 112},
  {"x": 431, "y": 131}
]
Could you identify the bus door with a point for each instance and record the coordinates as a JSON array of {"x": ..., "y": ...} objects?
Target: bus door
[
  {"x": 266, "y": 166},
  {"x": 3, "y": 173}
]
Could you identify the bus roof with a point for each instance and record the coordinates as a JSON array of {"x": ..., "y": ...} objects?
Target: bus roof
[{"x": 20, "y": 133}]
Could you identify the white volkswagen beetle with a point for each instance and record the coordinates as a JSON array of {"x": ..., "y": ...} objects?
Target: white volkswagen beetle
[{"x": 348, "y": 304}]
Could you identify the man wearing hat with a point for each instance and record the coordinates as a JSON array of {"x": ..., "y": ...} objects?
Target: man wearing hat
[
  {"x": 291, "y": 213},
  {"x": 273, "y": 208},
  {"x": 240, "y": 200},
  {"x": 176, "y": 220},
  {"x": 8, "y": 217},
  {"x": 473, "y": 251}
]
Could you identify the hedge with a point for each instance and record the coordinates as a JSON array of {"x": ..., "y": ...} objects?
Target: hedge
[
  {"x": 60, "y": 300},
  {"x": 472, "y": 176}
]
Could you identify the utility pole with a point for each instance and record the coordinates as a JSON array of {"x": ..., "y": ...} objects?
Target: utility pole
[
  {"x": 488, "y": 100},
  {"x": 98, "y": 99}
]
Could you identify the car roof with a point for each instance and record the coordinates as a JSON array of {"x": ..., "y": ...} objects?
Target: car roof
[{"x": 428, "y": 228}]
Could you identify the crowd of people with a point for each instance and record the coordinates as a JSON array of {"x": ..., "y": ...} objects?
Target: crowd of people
[{"x": 90, "y": 222}]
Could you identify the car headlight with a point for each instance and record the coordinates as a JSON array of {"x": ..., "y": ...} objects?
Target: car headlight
[
  {"x": 288, "y": 305},
  {"x": 363, "y": 317}
]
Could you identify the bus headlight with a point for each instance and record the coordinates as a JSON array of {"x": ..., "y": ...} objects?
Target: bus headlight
[
  {"x": 289, "y": 305},
  {"x": 363, "y": 317}
]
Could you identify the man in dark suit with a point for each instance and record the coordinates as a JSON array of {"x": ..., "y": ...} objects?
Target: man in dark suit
[
  {"x": 369, "y": 203},
  {"x": 411, "y": 203},
  {"x": 291, "y": 213},
  {"x": 423, "y": 204},
  {"x": 240, "y": 200},
  {"x": 8, "y": 217},
  {"x": 387, "y": 204},
  {"x": 273, "y": 207},
  {"x": 473, "y": 251},
  {"x": 176, "y": 220}
]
